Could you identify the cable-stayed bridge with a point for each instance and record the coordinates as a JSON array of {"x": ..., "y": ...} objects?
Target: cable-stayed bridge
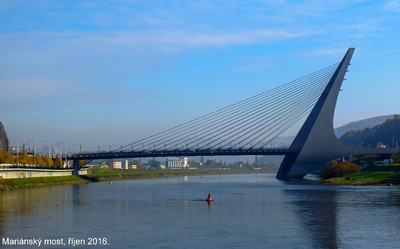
[{"x": 251, "y": 126}]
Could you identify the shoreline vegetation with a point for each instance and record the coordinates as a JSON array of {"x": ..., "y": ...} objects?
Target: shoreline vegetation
[
  {"x": 97, "y": 175},
  {"x": 373, "y": 175}
]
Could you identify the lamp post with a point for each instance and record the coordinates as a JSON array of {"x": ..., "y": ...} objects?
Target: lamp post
[
  {"x": 61, "y": 149},
  {"x": 76, "y": 148},
  {"x": 17, "y": 152},
  {"x": 34, "y": 154}
]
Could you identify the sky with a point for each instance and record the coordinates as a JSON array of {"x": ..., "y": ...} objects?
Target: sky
[{"x": 100, "y": 73}]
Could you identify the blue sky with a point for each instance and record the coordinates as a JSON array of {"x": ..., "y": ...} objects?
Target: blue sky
[{"x": 111, "y": 72}]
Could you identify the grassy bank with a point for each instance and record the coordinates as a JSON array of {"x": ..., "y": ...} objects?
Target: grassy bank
[
  {"x": 120, "y": 174},
  {"x": 21, "y": 183},
  {"x": 373, "y": 175},
  {"x": 95, "y": 175}
]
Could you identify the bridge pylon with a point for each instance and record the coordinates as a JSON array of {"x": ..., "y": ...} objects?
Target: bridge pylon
[{"x": 316, "y": 140}]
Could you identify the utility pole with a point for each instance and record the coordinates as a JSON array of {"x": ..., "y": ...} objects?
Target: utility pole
[
  {"x": 34, "y": 153},
  {"x": 66, "y": 155},
  {"x": 61, "y": 149},
  {"x": 48, "y": 144},
  {"x": 17, "y": 153}
]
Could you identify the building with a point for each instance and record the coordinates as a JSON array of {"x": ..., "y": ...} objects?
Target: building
[
  {"x": 177, "y": 163},
  {"x": 46, "y": 150},
  {"x": 380, "y": 145},
  {"x": 117, "y": 165},
  {"x": 125, "y": 164}
]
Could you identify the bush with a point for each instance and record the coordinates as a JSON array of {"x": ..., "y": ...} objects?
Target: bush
[
  {"x": 396, "y": 157},
  {"x": 341, "y": 169}
]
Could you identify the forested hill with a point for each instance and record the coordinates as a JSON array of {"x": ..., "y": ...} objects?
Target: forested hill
[
  {"x": 387, "y": 133},
  {"x": 361, "y": 124}
]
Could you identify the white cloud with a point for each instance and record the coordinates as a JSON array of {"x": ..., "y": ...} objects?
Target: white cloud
[
  {"x": 36, "y": 93},
  {"x": 392, "y": 6},
  {"x": 255, "y": 67},
  {"x": 324, "y": 52},
  {"x": 161, "y": 39}
]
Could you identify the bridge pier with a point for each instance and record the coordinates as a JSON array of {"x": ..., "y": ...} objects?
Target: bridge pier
[{"x": 75, "y": 165}]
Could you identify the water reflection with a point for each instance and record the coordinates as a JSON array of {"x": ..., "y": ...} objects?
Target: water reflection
[
  {"x": 317, "y": 211},
  {"x": 250, "y": 211},
  {"x": 50, "y": 207}
]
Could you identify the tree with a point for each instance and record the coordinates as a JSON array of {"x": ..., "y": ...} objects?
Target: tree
[
  {"x": 210, "y": 164},
  {"x": 58, "y": 163},
  {"x": 154, "y": 164},
  {"x": 47, "y": 161},
  {"x": 38, "y": 160},
  {"x": 6, "y": 157},
  {"x": 82, "y": 163},
  {"x": 341, "y": 169},
  {"x": 25, "y": 159},
  {"x": 396, "y": 157}
]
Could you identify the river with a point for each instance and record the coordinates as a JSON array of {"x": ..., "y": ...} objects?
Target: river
[{"x": 249, "y": 211}]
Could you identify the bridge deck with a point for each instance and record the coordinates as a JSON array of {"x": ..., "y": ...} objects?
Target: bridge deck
[{"x": 177, "y": 153}]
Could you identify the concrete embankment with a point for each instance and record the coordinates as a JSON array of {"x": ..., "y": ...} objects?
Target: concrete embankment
[{"x": 11, "y": 173}]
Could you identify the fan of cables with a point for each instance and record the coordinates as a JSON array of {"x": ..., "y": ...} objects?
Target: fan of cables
[{"x": 253, "y": 123}]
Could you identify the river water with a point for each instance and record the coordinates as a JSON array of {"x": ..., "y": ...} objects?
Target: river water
[{"x": 249, "y": 211}]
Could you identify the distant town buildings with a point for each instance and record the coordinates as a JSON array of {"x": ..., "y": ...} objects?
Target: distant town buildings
[
  {"x": 177, "y": 163},
  {"x": 46, "y": 150},
  {"x": 380, "y": 145},
  {"x": 125, "y": 164},
  {"x": 117, "y": 165}
]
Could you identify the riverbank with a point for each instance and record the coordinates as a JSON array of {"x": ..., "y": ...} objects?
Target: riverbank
[
  {"x": 373, "y": 175},
  {"x": 35, "y": 182},
  {"x": 96, "y": 175}
]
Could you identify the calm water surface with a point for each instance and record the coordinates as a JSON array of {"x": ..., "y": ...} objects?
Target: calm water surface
[{"x": 249, "y": 211}]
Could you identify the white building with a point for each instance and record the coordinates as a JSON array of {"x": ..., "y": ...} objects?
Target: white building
[
  {"x": 117, "y": 165},
  {"x": 125, "y": 164},
  {"x": 177, "y": 163}
]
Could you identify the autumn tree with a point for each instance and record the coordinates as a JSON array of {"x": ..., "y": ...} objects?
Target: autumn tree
[
  {"x": 38, "y": 160},
  {"x": 6, "y": 157},
  {"x": 58, "y": 163},
  {"x": 25, "y": 159},
  {"x": 341, "y": 169},
  {"x": 82, "y": 163},
  {"x": 47, "y": 161}
]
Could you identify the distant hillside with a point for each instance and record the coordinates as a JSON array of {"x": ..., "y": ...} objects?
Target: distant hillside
[
  {"x": 340, "y": 131},
  {"x": 358, "y": 125},
  {"x": 387, "y": 133}
]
